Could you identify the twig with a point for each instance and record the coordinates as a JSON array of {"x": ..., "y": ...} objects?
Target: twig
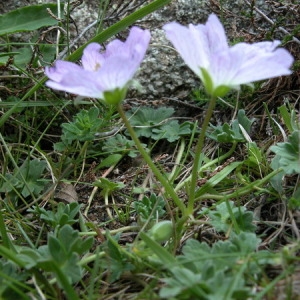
[{"x": 280, "y": 28}]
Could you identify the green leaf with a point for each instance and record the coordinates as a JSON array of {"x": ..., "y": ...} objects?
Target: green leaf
[
  {"x": 171, "y": 131},
  {"x": 61, "y": 254},
  {"x": 183, "y": 281},
  {"x": 84, "y": 127},
  {"x": 32, "y": 171},
  {"x": 226, "y": 133},
  {"x": 24, "y": 57},
  {"x": 289, "y": 117},
  {"x": 28, "y": 18},
  {"x": 146, "y": 119},
  {"x": 149, "y": 208},
  {"x": 71, "y": 269},
  {"x": 220, "y": 218},
  {"x": 65, "y": 214},
  {"x": 244, "y": 121},
  {"x": 56, "y": 250},
  {"x": 276, "y": 181},
  {"x": 26, "y": 180},
  {"x": 231, "y": 133},
  {"x": 116, "y": 261},
  {"x": 72, "y": 242},
  {"x": 120, "y": 143},
  {"x": 288, "y": 154},
  {"x": 10, "y": 279},
  {"x": 108, "y": 186},
  {"x": 110, "y": 160},
  {"x": 245, "y": 242},
  {"x": 255, "y": 156},
  {"x": 29, "y": 256},
  {"x": 201, "y": 268}
]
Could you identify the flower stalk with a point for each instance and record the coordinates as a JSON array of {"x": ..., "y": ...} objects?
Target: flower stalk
[
  {"x": 198, "y": 151},
  {"x": 162, "y": 179}
]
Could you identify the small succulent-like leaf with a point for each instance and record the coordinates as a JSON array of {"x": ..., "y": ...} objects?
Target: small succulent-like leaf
[
  {"x": 84, "y": 127},
  {"x": 149, "y": 208}
]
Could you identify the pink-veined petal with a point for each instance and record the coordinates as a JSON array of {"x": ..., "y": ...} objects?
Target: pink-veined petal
[
  {"x": 187, "y": 42},
  {"x": 81, "y": 83},
  {"x": 261, "y": 63},
  {"x": 138, "y": 41},
  {"x": 224, "y": 68},
  {"x": 116, "y": 74},
  {"x": 215, "y": 34},
  {"x": 92, "y": 59},
  {"x": 60, "y": 68}
]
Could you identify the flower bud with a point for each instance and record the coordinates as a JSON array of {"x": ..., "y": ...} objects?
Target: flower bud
[{"x": 161, "y": 231}]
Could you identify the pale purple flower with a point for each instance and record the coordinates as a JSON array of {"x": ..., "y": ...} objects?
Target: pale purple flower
[
  {"x": 101, "y": 72},
  {"x": 205, "y": 49}
]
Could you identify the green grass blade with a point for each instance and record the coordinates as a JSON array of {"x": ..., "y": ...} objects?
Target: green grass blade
[
  {"x": 119, "y": 26},
  {"x": 166, "y": 257},
  {"x": 5, "y": 239}
]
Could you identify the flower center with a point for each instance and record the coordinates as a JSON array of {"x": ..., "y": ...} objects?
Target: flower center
[{"x": 97, "y": 67}]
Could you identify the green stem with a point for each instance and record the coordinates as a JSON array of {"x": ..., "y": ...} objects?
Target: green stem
[
  {"x": 5, "y": 239},
  {"x": 91, "y": 258},
  {"x": 198, "y": 152},
  {"x": 63, "y": 279},
  {"x": 165, "y": 183}
]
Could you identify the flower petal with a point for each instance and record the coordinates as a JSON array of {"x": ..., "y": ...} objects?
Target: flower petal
[
  {"x": 138, "y": 41},
  {"x": 189, "y": 42},
  {"x": 261, "y": 62},
  {"x": 92, "y": 59},
  {"x": 215, "y": 34},
  {"x": 116, "y": 73},
  {"x": 134, "y": 47},
  {"x": 224, "y": 68},
  {"x": 81, "y": 82},
  {"x": 58, "y": 71}
]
